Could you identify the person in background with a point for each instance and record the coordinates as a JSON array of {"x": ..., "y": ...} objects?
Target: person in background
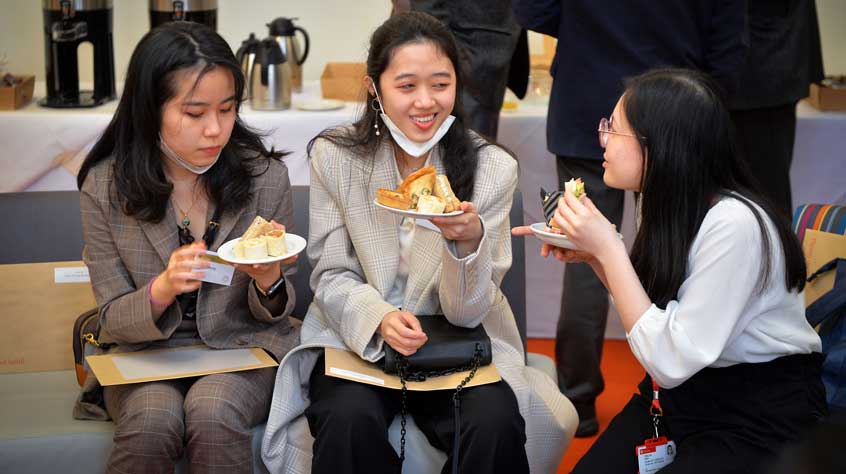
[
  {"x": 784, "y": 58},
  {"x": 174, "y": 174},
  {"x": 494, "y": 52},
  {"x": 600, "y": 44},
  {"x": 375, "y": 275},
  {"x": 711, "y": 294}
]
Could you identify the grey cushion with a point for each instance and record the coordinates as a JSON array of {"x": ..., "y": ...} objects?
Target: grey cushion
[{"x": 38, "y": 434}]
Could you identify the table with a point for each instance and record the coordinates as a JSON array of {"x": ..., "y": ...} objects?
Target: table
[{"x": 42, "y": 150}]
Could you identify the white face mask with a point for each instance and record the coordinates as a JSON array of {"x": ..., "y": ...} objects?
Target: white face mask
[
  {"x": 413, "y": 148},
  {"x": 173, "y": 157}
]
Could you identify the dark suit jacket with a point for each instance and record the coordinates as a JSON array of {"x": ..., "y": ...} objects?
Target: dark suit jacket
[
  {"x": 602, "y": 43},
  {"x": 488, "y": 36},
  {"x": 784, "y": 55},
  {"x": 123, "y": 254}
]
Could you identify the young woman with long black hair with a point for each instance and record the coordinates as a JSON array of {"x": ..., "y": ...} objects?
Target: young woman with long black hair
[
  {"x": 176, "y": 173},
  {"x": 375, "y": 273},
  {"x": 711, "y": 295}
]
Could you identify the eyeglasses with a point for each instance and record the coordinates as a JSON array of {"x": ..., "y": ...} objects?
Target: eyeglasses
[{"x": 605, "y": 130}]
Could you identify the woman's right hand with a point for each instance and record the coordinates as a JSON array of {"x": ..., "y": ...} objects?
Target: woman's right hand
[
  {"x": 183, "y": 273},
  {"x": 402, "y": 331}
]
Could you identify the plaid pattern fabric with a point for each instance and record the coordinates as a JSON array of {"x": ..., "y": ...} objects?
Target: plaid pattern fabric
[
  {"x": 354, "y": 249},
  {"x": 124, "y": 254},
  {"x": 824, "y": 217},
  {"x": 155, "y": 419}
]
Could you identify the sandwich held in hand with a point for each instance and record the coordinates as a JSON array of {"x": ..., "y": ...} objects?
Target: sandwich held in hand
[
  {"x": 550, "y": 202},
  {"x": 260, "y": 241},
  {"x": 423, "y": 191}
]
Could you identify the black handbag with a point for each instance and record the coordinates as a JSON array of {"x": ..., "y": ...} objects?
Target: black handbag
[{"x": 448, "y": 350}]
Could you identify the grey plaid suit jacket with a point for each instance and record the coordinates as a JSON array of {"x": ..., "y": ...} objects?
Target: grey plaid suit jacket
[
  {"x": 354, "y": 249},
  {"x": 123, "y": 254}
]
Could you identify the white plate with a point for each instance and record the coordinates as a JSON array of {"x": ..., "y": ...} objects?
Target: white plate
[
  {"x": 415, "y": 214},
  {"x": 318, "y": 105},
  {"x": 551, "y": 238},
  {"x": 294, "y": 242}
]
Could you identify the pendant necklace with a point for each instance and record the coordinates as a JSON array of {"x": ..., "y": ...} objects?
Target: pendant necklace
[{"x": 186, "y": 221}]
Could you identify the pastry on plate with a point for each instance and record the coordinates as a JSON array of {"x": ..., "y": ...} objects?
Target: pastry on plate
[
  {"x": 276, "y": 246},
  {"x": 430, "y": 204},
  {"x": 419, "y": 183},
  {"x": 444, "y": 191},
  {"x": 393, "y": 199}
]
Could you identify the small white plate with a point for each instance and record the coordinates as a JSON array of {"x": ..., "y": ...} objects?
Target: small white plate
[
  {"x": 551, "y": 238},
  {"x": 295, "y": 244},
  {"x": 319, "y": 105},
  {"x": 415, "y": 214}
]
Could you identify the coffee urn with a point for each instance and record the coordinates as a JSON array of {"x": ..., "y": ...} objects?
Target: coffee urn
[
  {"x": 67, "y": 24},
  {"x": 198, "y": 11}
]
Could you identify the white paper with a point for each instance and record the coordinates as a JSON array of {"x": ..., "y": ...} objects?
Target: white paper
[
  {"x": 218, "y": 272},
  {"x": 355, "y": 375},
  {"x": 182, "y": 361},
  {"x": 71, "y": 275}
]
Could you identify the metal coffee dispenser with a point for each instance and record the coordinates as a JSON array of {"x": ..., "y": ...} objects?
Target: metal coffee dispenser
[
  {"x": 283, "y": 30},
  {"x": 67, "y": 24},
  {"x": 198, "y": 11},
  {"x": 270, "y": 78}
]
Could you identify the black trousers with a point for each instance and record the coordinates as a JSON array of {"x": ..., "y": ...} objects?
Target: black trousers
[
  {"x": 584, "y": 300},
  {"x": 731, "y": 420},
  {"x": 481, "y": 118},
  {"x": 349, "y": 422},
  {"x": 765, "y": 142}
]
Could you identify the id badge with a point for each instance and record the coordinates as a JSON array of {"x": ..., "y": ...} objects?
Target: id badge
[
  {"x": 654, "y": 454},
  {"x": 219, "y": 272}
]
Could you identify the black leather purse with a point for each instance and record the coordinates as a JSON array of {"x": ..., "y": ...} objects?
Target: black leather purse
[{"x": 449, "y": 349}]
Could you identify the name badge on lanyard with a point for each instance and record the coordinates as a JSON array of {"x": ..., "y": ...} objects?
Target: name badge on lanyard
[{"x": 657, "y": 452}]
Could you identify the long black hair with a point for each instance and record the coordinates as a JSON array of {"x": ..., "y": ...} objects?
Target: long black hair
[
  {"x": 132, "y": 137},
  {"x": 460, "y": 149},
  {"x": 690, "y": 160}
]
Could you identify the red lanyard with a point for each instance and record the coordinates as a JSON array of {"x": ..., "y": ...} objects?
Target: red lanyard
[{"x": 655, "y": 409}]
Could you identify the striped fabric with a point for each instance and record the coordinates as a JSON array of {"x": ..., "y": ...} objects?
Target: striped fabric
[{"x": 824, "y": 217}]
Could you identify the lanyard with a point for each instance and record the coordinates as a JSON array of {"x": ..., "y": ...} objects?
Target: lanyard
[{"x": 655, "y": 409}]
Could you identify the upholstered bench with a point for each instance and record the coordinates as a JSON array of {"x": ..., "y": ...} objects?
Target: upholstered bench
[{"x": 37, "y": 431}]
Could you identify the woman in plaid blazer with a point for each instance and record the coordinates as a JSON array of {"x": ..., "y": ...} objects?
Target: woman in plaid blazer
[
  {"x": 375, "y": 271},
  {"x": 174, "y": 174}
]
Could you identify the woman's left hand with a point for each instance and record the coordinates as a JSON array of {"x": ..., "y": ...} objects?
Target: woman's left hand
[
  {"x": 463, "y": 227},
  {"x": 266, "y": 274},
  {"x": 585, "y": 226}
]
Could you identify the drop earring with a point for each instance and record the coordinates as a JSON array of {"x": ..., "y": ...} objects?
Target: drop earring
[{"x": 373, "y": 105}]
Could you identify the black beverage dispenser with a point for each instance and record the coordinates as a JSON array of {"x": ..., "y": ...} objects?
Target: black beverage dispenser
[
  {"x": 67, "y": 24},
  {"x": 198, "y": 11}
]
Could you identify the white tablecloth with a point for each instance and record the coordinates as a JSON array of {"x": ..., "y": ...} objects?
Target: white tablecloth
[{"x": 42, "y": 149}]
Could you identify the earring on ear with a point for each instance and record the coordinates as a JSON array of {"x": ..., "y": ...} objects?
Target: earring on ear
[{"x": 373, "y": 105}]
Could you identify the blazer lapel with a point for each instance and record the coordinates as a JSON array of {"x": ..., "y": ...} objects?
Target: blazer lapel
[
  {"x": 380, "y": 223},
  {"x": 227, "y": 223},
  {"x": 163, "y": 235}
]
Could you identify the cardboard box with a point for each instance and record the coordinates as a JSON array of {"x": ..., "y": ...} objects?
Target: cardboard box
[
  {"x": 827, "y": 98},
  {"x": 40, "y": 302},
  {"x": 17, "y": 96},
  {"x": 343, "y": 81}
]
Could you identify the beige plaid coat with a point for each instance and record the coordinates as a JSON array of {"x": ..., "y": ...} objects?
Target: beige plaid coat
[
  {"x": 354, "y": 248},
  {"x": 123, "y": 254}
]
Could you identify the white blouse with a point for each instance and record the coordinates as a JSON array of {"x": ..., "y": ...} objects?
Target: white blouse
[{"x": 721, "y": 317}]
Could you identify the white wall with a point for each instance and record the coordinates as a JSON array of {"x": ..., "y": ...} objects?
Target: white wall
[
  {"x": 832, "y": 16},
  {"x": 339, "y": 30}
]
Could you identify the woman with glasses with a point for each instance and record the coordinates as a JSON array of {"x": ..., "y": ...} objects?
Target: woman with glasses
[{"x": 710, "y": 295}]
